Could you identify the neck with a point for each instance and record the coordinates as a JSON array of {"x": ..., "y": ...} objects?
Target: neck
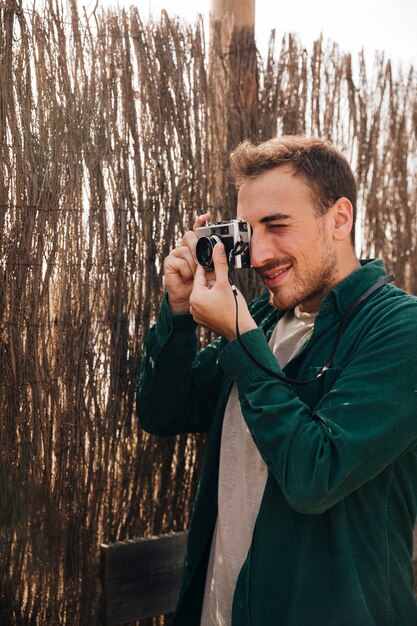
[{"x": 345, "y": 266}]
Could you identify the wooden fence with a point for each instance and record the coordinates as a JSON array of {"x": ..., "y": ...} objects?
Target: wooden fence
[{"x": 114, "y": 134}]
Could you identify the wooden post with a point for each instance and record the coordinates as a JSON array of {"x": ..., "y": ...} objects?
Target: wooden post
[
  {"x": 233, "y": 68},
  {"x": 233, "y": 14},
  {"x": 243, "y": 11},
  {"x": 233, "y": 76},
  {"x": 233, "y": 39}
]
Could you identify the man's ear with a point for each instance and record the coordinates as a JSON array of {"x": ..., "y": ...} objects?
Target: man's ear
[{"x": 342, "y": 219}]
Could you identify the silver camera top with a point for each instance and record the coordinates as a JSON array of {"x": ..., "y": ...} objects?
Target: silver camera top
[{"x": 235, "y": 236}]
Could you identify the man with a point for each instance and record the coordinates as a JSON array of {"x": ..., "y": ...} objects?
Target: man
[{"x": 308, "y": 494}]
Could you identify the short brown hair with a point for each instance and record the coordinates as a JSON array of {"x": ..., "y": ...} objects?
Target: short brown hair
[{"x": 325, "y": 170}]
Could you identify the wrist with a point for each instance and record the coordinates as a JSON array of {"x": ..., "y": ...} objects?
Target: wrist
[
  {"x": 244, "y": 327},
  {"x": 179, "y": 308}
]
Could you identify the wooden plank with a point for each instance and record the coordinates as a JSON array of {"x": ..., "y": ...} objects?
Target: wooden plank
[{"x": 141, "y": 577}]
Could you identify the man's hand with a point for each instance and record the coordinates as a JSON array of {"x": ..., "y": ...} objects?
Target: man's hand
[
  {"x": 179, "y": 269},
  {"x": 213, "y": 303}
]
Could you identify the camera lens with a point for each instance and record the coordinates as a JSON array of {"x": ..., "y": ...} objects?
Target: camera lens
[{"x": 204, "y": 250}]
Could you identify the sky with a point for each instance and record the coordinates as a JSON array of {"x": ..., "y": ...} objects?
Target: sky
[{"x": 383, "y": 25}]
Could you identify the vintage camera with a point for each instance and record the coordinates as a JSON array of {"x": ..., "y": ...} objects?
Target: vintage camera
[{"x": 235, "y": 236}]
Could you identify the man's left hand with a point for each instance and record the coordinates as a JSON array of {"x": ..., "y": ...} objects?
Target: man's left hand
[{"x": 213, "y": 304}]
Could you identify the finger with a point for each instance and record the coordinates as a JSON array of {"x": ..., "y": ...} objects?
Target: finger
[
  {"x": 210, "y": 278},
  {"x": 190, "y": 240},
  {"x": 197, "y": 320},
  {"x": 174, "y": 265},
  {"x": 221, "y": 265},
  {"x": 184, "y": 252},
  {"x": 201, "y": 220},
  {"x": 200, "y": 279}
]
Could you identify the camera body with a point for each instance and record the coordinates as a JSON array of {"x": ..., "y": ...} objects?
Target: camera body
[{"x": 235, "y": 235}]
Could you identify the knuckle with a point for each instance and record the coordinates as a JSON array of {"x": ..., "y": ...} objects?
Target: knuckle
[{"x": 188, "y": 235}]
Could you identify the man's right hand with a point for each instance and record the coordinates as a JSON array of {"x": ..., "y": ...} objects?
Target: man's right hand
[{"x": 179, "y": 269}]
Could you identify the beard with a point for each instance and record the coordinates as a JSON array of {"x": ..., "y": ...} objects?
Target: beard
[{"x": 307, "y": 285}]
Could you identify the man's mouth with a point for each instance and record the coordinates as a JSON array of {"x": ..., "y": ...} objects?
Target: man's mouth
[{"x": 273, "y": 277}]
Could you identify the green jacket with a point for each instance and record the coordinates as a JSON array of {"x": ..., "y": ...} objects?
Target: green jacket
[{"x": 332, "y": 543}]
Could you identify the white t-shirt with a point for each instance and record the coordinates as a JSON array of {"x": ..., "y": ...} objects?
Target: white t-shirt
[{"x": 242, "y": 479}]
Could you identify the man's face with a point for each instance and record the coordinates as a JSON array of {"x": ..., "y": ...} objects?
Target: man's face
[{"x": 292, "y": 249}]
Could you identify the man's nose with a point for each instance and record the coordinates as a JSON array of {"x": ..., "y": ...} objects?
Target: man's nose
[{"x": 261, "y": 251}]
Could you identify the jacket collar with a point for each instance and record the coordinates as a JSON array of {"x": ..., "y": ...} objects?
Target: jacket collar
[
  {"x": 338, "y": 300},
  {"x": 353, "y": 286}
]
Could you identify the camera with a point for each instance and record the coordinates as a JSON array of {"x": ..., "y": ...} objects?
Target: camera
[{"x": 235, "y": 236}]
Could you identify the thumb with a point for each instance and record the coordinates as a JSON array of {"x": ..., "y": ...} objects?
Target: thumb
[
  {"x": 221, "y": 265},
  {"x": 200, "y": 279}
]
